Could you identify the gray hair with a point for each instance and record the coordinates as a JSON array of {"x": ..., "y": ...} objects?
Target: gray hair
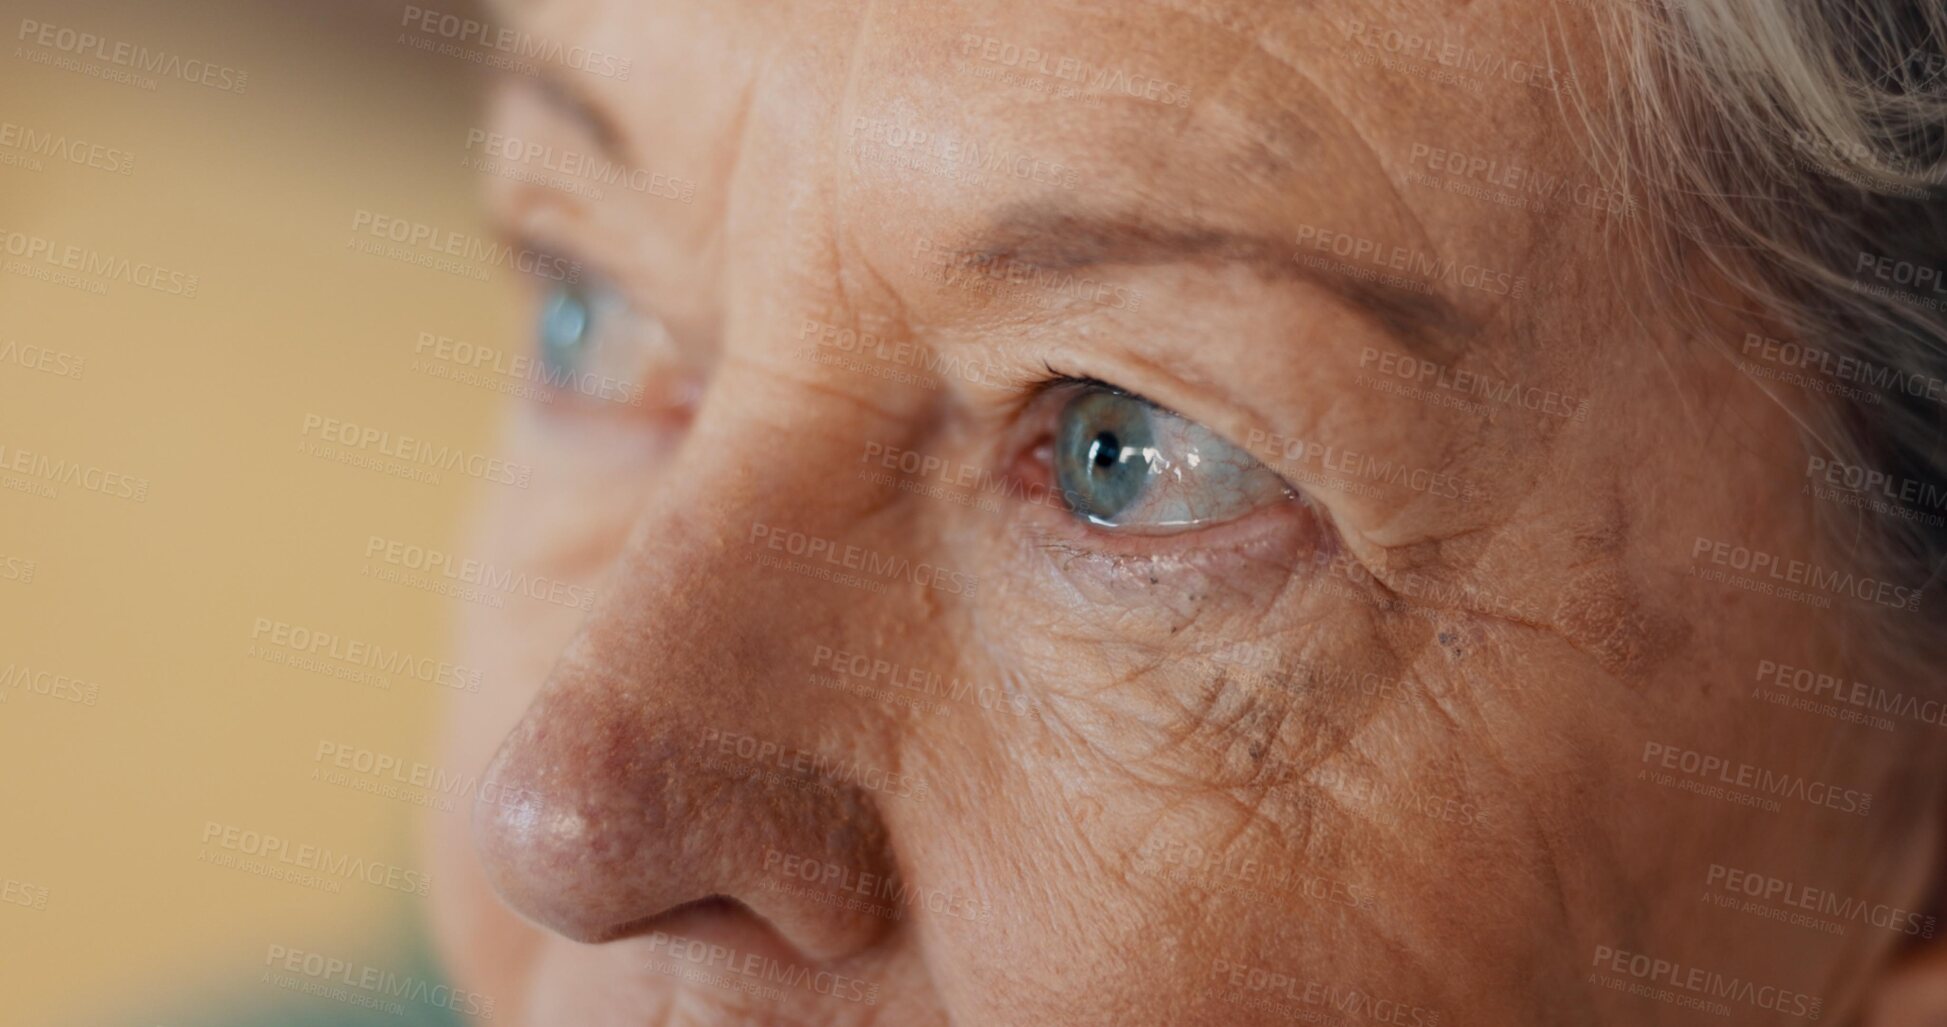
[{"x": 1796, "y": 149}]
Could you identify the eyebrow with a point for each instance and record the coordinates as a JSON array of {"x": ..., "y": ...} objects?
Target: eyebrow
[
  {"x": 569, "y": 103},
  {"x": 1059, "y": 238}
]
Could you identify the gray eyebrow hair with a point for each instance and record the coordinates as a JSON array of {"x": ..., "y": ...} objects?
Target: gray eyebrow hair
[{"x": 1057, "y": 237}]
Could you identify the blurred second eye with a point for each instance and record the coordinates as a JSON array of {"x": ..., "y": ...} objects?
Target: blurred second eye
[
  {"x": 594, "y": 346},
  {"x": 1123, "y": 463}
]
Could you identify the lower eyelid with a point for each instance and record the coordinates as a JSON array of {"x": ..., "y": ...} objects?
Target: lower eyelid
[{"x": 1282, "y": 538}]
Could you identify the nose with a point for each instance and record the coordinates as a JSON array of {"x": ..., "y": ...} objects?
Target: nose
[{"x": 673, "y": 756}]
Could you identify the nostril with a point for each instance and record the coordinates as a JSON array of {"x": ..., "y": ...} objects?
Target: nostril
[
  {"x": 707, "y": 905},
  {"x": 710, "y": 909},
  {"x": 729, "y": 929}
]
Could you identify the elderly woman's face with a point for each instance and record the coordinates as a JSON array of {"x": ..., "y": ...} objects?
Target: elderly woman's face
[{"x": 1162, "y": 512}]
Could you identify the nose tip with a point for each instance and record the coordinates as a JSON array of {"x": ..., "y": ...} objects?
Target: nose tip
[
  {"x": 597, "y": 828},
  {"x": 546, "y": 852}
]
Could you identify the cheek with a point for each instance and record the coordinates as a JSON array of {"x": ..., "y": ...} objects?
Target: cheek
[{"x": 1220, "y": 665}]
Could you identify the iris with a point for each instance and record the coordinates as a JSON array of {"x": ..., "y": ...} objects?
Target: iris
[
  {"x": 564, "y": 329},
  {"x": 1125, "y": 463},
  {"x": 1105, "y": 453}
]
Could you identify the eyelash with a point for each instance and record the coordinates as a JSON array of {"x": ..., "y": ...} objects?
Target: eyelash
[{"x": 1034, "y": 389}]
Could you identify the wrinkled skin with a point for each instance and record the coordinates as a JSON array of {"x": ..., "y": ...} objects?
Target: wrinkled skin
[{"x": 1386, "y": 739}]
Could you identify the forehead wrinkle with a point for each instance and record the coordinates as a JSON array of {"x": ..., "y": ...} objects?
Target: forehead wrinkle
[
  {"x": 1277, "y": 134},
  {"x": 1345, "y": 120}
]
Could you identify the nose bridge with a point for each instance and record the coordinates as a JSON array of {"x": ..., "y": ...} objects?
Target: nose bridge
[{"x": 674, "y": 745}]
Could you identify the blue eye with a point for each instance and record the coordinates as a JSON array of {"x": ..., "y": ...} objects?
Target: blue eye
[
  {"x": 1122, "y": 462},
  {"x": 564, "y": 330},
  {"x": 592, "y": 343}
]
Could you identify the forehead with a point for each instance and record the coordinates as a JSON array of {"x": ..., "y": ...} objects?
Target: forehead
[{"x": 1386, "y": 129}]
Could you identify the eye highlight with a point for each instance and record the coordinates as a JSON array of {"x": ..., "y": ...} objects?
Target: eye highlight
[
  {"x": 1126, "y": 464},
  {"x": 592, "y": 344},
  {"x": 562, "y": 331},
  {"x": 587, "y": 335}
]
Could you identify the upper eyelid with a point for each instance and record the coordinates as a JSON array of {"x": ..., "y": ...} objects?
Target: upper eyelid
[
  {"x": 594, "y": 273},
  {"x": 1060, "y": 382}
]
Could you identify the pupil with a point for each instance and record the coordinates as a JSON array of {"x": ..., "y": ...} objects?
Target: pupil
[
  {"x": 1101, "y": 442},
  {"x": 1107, "y": 448}
]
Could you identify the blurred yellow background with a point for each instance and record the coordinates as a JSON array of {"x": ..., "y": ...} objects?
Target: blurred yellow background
[{"x": 109, "y": 915}]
